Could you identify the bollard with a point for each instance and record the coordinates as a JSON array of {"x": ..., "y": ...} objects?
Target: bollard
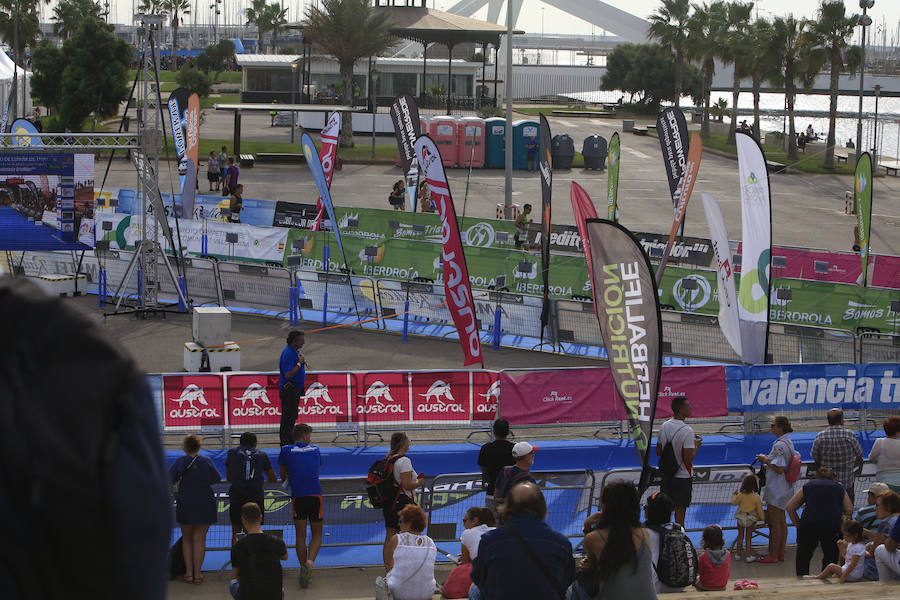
[
  {"x": 405, "y": 319},
  {"x": 140, "y": 287},
  {"x": 182, "y": 285},
  {"x": 203, "y": 245},
  {"x": 497, "y": 314},
  {"x": 325, "y": 309},
  {"x": 101, "y": 287}
]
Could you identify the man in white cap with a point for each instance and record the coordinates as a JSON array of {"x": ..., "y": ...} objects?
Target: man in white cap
[
  {"x": 866, "y": 515},
  {"x": 523, "y": 453}
]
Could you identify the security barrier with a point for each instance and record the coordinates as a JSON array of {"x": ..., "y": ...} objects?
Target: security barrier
[
  {"x": 795, "y": 343},
  {"x": 879, "y": 347},
  {"x": 255, "y": 286}
]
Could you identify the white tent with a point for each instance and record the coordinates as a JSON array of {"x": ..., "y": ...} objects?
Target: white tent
[{"x": 7, "y": 71}]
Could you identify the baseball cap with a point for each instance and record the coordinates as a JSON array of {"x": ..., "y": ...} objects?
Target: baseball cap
[
  {"x": 875, "y": 488},
  {"x": 522, "y": 449}
]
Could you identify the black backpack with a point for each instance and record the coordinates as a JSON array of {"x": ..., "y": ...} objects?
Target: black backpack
[
  {"x": 677, "y": 564},
  {"x": 380, "y": 483},
  {"x": 246, "y": 460},
  {"x": 668, "y": 462}
]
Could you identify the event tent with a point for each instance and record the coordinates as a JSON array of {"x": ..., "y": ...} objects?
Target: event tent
[{"x": 7, "y": 71}]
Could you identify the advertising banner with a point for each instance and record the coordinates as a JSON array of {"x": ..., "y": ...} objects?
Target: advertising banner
[
  {"x": 192, "y": 133},
  {"x": 612, "y": 176},
  {"x": 756, "y": 224},
  {"x": 485, "y": 395},
  {"x": 627, "y": 306},
  {"x": 819, "y": 387},
  {"x": 328, "y": 398},
  {"x": 729, "y": 320},
  {"x": 441, "y": 396},
  {"x": 683, "y": 193},
  {"x": 457, "y": 287},
  {"x": 546, "y": 169},
  {"x": 673, "y": 141},
  {"x": 886, "y": 272},
  {"x": 193, "y": 401},
  {"x": 684, "y": 250},
  {"x": 327, "y": 156},
  {"x": 381, "y": 397},
  {"x": 23, "y": 127},
  {"x": 802, "y": 264},
  {"x": 253, "y": 400},
  {"x": 298, "y": 215},
  {"x": 407, "y": 128},
  {"x": 864, "y": 182},
  {"x": 177, "y": 105},
  {"x": 583, "y": 209}
]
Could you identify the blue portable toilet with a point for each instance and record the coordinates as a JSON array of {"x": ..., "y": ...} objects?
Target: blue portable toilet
[
  {"x": 522, "y": 132},
  {"x": 495, "y": 143}
]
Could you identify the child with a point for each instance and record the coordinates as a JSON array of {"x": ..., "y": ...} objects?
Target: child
[
  {"x": 714, "y": 565},
  {"x": 853, "y": 551},
  {"x": 749, "y": 511}
]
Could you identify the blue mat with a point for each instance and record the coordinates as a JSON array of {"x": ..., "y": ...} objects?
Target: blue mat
[{"x": 18, "y": 233}]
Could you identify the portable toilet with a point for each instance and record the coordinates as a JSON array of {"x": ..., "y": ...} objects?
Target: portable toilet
[
  {"x": 522, "y": 132},
  {"x": 443, "y": 131},
  {"x": 423, "y": 127},
  {"x": 470, "y": 133},
  {"x": 495, "y": 143}
]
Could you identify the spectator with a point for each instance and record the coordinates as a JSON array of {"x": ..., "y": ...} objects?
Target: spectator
[
  {"x": 292, "y": 382},
  {"x": 837, "y": 447},
  {"x": 887, "y": 556},
  {"x": 523, "y": 454},
  {"x": 410, "y": 559},
  {"x": 195, "y": 504},
  {"x": 423, "y": 198},
  {"x": 867, "y": 515},
  {"x": 492, "y": 457},
  {"x": 477, "y": 521},
  {"x": 397, "y": 197},
  {"x": 714, "y": 563},
  {"x": 223, "y": 164},
  {"x": 658, "y": 512},
  {"x": 826, "y": 501},
  {"x": 231, "y": 177},
  {"x": 407, "y": 481},
  {"x": 853, "y": 550},
  {"x": 236, "y": 204},
  {"x": 212, "y": 170},
  {"x": 887, "y": 506},
  {"x": 525, "y": 558},
  {"x": 617, "y": 561},
  {"x": 778, "y": 491},
  {"x": 531, "y": 150},
  {"x": 300, "y": 465},
  {"x": 685, "y": 443},
  {"x": 522, "y": 223},
  {"x": 886, "y": 454},
  {"x": 749, "y": 512},
  {"x": 255, "y": 560},
  {"x": 245, "y": 467}
]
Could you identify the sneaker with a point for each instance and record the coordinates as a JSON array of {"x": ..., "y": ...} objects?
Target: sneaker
[
  {"x": 304, "y": 575},
  {"x": 750, "y": 559},
  {"x": 767, "y": 560}
]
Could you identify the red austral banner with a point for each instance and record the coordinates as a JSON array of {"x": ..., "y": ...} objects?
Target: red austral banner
[
  {"x": 193, "y": 401},
  {"x": 589, "y": 395},
  {"x": 327, "y": 154},
  {"x": 441, "y": 396},
  {"x": 485, "y": 395},
  {"x": 381, "y": 397},
  {"x": 886, "y": 272},
  {"x": 253, "y": 400},
  {"x": 801, "y": 264}
]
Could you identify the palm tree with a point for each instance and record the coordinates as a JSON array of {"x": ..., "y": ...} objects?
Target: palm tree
[
  {"x": 349, "y": 30},
  {"x": 68, "y": 15},
  {"x": 29, "y": 27},
  {"x": 258, "y": 15},
  {"x": 759, "y": 63},
  {"x": 669, "y": 26},
  {"x": 736, "y": 52},
  {"x": 831, "y": 31},
  {"x": 706, "y": 29},
  {"x": 791, "y": 44},
  {"x": 276, "y": 17},
  {"x": 176, "y": 8}
]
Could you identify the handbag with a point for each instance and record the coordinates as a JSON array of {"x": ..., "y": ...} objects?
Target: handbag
[{"x": 560, "y": 590}]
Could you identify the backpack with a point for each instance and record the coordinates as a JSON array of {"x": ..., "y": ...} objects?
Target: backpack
[
  {"x": 792, "y": 472},
  {"x": 247, "y": 467},
  {"x": 380, "y": 483},
  {"x": 677, "y": 564},
  {"x": 668, "y": 462},
  {"x": 508, "y": 481}
]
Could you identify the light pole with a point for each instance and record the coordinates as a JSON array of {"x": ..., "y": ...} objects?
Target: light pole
[
  {"x": 293, "y": 98},
  {"x": 865, "y": 20},
  {"x": 875, "y": 134},
  {"x": 375, "y": 74}
]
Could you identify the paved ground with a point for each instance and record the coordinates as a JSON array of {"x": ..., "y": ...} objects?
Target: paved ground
[{"x": 807, "y": 209}]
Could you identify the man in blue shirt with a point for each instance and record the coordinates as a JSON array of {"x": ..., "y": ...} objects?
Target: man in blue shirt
[
  {"x": 300, "y": 464},
  {"x": 525, "y": 558},
  {"x": 292, "y": 369}
]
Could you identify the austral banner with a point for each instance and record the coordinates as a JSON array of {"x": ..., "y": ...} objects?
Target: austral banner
[
  {"x": 546, "y": 170},
  {"x": 327, "y": 156},
  {"x": 863, "y": 177},
  {"x": 455, "y": 272},
  {"x": 583, "y": 208},
  {"x": 627, "y": 307}
]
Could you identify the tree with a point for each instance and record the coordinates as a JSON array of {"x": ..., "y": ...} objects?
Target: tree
[
  {"x": 646, "y": 71},
  {"x": 706, "y": 31},
  {"x": 68, "y": 15},
  {"x": 48, "y": 63},
  {"x": 831, "y": 31},
  {"x": 29, "y": 28},
  {"x": 760, "y": 63},
  {"x": 791, "y": 46},
  {"x": 193, "y": 80},
  {"x": 276, "y": 17},
  {"x": 669, "y": 26},
  {"x": 349, "y": 30},
  {"x": 175, "y": 9},
  {"x": 258, "y": 15},
  {"x": 216, "y": 58},
  {"x": 736, "y": 51}
]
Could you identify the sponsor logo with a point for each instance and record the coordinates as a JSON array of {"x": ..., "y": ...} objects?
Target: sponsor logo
[
  {"x": 342, "y": 224},
  {"x": 190, "y": 394},
  {"x": 380, "y": 393},
  {"x": 555, "y": 396},
  {"x": 253, "y": 394},
  {"x": 439, "y": 390},
  {"x": 861, "y": 184},
  {"x": 480, "y": 235},
  {"x": 667, "y": 392},
  {"x": 318, "y": 393},
  {"x": 752, "y": 179},
  {"x": 491, "y": 398},
  {"x": 692, "y": 299},
  {"x": 821, "y": 391},
  {"x": 613, "y": 157}
]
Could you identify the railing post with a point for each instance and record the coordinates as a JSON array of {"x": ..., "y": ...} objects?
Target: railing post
[
  {"x": 497, "y": 319},
  {"x": 405, "y": 319},
  {"x": 140, "y": 287},
  {"x": 182, "y": 285}
]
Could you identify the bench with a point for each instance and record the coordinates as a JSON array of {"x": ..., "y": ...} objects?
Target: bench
[
  {"x": 891, "y": 167},
  {"x": 279, "y": 157},
  {"x": 841, "y": 155},
  {"x": 775, "y": 167},
  {"x": 246, "y": 160},
  {"x": 639, "y": 130}
]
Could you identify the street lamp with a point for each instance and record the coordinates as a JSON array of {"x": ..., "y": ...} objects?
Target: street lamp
[
  {"x": 375, "y": 75},
  {"x": 293, "y": 98},
  {"x": 864, "y": 20},
  {"x": 875, "y": 135}
]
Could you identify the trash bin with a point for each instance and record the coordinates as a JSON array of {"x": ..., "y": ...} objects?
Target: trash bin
[
  {"x": 522, "y": 132},
  {"x": 495, "y": 143},
  {"x": 594, "y": 152},
  {"x": 562, "y": 151}
]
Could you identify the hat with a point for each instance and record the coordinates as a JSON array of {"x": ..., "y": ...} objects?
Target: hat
[
  {"x": 522, "y": 449},
  {"x": 874, "y": 489}
]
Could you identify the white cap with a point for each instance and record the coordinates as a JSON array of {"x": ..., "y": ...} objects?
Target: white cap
[{"x": 522, "y": 449}]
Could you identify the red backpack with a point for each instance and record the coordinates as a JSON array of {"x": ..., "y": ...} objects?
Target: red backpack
[{"x": 792, "y": 472}]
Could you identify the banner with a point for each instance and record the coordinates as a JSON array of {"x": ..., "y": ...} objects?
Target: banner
[
  {"x": 190, "y": 190},
  {"x": 819, "y": 387},
  {"x": 192, "y": 401},
  {"x": 756, "y": 225},
  {"x": 839, "y": 267},
  {"x": 612, "y": 177},
  {"x": 441, "y": 396},
  {"x": 589, "y": 395},
  {"x": 864, "y": 182},
  {"x": 381, "y": 397},
  {"x": 627, "y": 307},
  {"x": 4, "y": 120},
  {"x": 192, "y": 130},
  {"x": 178, "y": 104},
  {"x": 583, "y": 209},
  {"x": 683, "y": 194},
  {"x": 23, "y": 127},
  {"x": 407, "y": 128},
  {"x": 546, "y": 169},
  {"x": 456, "y": 274},
  {"x": 729, "y": 320},
  {"x": 327, "y": 156},
  {"x": 886, "y": 271},
  {"x": 318, "y": 174},
  {"x": 673, "y": 140}
]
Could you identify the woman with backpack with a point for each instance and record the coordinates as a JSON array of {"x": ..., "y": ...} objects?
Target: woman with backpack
[
  {"x": 778, "y": 490},
  {"x": 407, "y": 480}
]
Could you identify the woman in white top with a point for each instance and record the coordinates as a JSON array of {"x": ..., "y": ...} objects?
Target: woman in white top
[
  {"x": 411, "y": 560},
  {"x": 407, "y": 481},
  {"x": 478, "y": 520},
  {"x": 886, "y": 454},
  {"x": 778, "y": 492}
]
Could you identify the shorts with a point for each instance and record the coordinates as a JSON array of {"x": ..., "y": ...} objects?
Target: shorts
[
  {"x": 234, "y": 509},
  {"x": 308, "y": 508},
  {"x": 745, "y": 519},
  {"x": 392, "y": 513},
  {"x": 678, "y": 489},
  {"x": 212, "y": 176}
]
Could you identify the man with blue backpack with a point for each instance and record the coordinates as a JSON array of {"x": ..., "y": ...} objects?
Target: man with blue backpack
[{"x": 246, "y": 468}]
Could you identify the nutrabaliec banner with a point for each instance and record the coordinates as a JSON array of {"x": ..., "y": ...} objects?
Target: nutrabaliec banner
[
  {"x": 546, "y": 197},
  {"x": 327, "y": 156},
  {"x": 457, "y": 287},
  {"x": 863, "y": 177},
  {"x": 627, "y": 307},
  {"x": 612, "y": 176}
]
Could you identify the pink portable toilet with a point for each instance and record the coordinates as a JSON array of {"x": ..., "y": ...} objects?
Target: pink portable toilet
[
  {"x": 470, "y": 133},
  {"x": 443, "y": 131},
  {"x": 423, "y": 127}
]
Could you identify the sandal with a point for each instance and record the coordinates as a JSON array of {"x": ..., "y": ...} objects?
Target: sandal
[
  {"x": 198, "y": 580},
  {"x": 187, "y": 579}
]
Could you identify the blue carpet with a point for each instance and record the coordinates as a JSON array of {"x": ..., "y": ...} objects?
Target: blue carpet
[{"x": 18, "y": 233}]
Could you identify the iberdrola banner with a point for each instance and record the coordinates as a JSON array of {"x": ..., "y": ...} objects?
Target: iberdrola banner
[
  {"x": 863, "y": 178},
  {"x": 627, "y": 307},
  {"x": 612, "y": 177},
  {"x": 729, "y": 320},
  {"x": 685, "y": 187},
  {"x": 457, "y": 288},
  {"x": 327, "y": 156},
  {"x": 756, "y": 229}
]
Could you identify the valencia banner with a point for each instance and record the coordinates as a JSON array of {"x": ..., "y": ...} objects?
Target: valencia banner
[
  {"x": 627, "y": 306},
  {"x": 546, "y": 169},
  {"x": 457, "y": 288}
]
